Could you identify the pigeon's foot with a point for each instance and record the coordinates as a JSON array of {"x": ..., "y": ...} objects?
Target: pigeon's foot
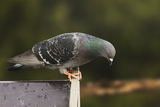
[
  {"x": 80, "y": 75},
  {"x": 73, "y": 75},
  {"x": 70, "y": 70}
]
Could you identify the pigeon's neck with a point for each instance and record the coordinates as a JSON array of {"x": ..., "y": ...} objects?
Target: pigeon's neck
[{"x": 95, "y": 46}]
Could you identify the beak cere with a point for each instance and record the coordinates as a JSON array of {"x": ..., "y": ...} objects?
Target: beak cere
[{"x": 110, "y": 61}]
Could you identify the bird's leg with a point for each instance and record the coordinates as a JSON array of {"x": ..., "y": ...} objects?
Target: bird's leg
[
  {"x": 70, "y": 70},
  {"x": 71, "y": 75},
  {"x": 79, "y": 73}
]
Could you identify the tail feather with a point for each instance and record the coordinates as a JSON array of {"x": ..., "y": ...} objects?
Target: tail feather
[
  {"x": 15, "y": 67},
  {"x": 27, "y": 58}
]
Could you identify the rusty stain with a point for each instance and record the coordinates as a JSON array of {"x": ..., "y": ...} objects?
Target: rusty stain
[
  {"x": 4, "y": 97},
  {"x": 67, "y": 99},
  {"x": 27, "y": 85},
  {"x": 13, "y": 87},
  {"x": 5, "y": 84},
  {"x": 29, "y": 103},
  {"x": 45, "y": 96},
  {"x": 30, "y": 91},
  {"x": 39, "y": 96},
  {"x": 46, "y": 84},
  {"x": 21, "y": 84}
]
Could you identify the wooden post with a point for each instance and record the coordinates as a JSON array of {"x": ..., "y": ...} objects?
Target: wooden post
[{"x": 75, "y": 91}]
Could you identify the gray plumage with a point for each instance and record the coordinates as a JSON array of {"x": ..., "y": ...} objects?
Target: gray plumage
[{"x": 64, "y": 51}]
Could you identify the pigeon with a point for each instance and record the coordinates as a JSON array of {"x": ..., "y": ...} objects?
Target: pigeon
[{"x": 64, "y": 52}]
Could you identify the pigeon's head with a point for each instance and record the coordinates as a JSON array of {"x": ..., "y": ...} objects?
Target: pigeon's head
[{"x": 109, "y": 51}]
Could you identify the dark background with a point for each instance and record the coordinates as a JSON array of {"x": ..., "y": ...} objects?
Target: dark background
[{"x": 132, "y": 26}]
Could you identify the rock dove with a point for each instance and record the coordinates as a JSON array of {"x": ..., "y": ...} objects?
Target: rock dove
[{"x": 64, "y": 51}]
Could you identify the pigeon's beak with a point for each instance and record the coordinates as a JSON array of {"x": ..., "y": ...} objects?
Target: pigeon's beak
[{"x": 110, "y": 61}]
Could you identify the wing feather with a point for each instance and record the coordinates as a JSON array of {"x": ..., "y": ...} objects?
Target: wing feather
[{"x": 56, "y": 50}]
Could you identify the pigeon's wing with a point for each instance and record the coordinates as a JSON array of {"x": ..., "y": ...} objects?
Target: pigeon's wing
[{"x": 57, "y": 50}]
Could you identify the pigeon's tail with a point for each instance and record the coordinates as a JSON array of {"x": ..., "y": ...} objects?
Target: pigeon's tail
[
  {"x": 27, "y": 59},
  {"x": 15, "y": 67}
]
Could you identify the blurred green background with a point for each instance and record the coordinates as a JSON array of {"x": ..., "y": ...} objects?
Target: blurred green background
[{"x": 132, "y": 26}]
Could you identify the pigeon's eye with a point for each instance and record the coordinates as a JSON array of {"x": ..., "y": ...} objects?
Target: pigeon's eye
[{"x": 107, "y": 52}]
